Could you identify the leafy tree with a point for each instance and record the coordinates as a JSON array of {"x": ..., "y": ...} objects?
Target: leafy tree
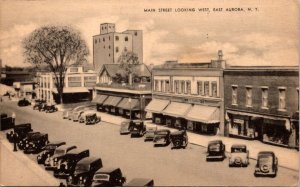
[
  {"x": 128, "y": 60},
  {"x": 56, "y": 47}
]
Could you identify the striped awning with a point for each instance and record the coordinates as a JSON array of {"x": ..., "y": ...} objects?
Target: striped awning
[
  {"x": 129, "y": 104},
  {"x": 177, "y": 109},
  {"x": 157, "y": 105},
  {"x": 112, "y": 101},
  {"x": 204, "y": 114},
  {"x": 99, "y": 99}
]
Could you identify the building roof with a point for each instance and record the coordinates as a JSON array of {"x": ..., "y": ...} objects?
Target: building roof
[
  {"x": 261, "y": 68},
  {"x": 113, "y": 69}
]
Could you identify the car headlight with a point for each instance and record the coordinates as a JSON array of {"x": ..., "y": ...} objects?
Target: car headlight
[
  {"x": 55, "y": 159},
  {"x": 27, "y": 145}
]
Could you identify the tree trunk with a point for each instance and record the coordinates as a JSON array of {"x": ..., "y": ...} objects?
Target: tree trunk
[{"x": 130, "y": 79}]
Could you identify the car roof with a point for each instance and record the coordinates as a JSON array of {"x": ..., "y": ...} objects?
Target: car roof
[
  {"x": 88, "y": 160},
  {"x": 215, "y": 141},
  {"x": 138, "y": 182},
  {"x": 266, "y": 153},
  {"x": 56, "y": 142},
  {"x": 106, "y": 170},
  {"x": 76, "y": 151},
  {"x": 238, "y": 146}
]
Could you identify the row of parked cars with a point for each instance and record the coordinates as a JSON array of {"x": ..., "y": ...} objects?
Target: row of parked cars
[
  {"x": 267, "y": 162},
  {"x": 39, "y": 105},
  {"x": 68, "y": 162},
  {"x": 83, "y": 114}
]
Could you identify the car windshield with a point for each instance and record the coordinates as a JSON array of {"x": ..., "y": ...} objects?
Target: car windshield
[
  {"x": 84, "y": 167},
  {"x": 59, "y": 151},
  {"x": 265, "y": 159},
  {"x": 238, "y": 150},
  {"x": 102, "y": 177},
  {"x": 214, "y": 147}
]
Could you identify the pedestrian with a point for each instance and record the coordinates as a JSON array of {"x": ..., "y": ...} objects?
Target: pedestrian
[
  {"x": 13, "y": 116},
  {"x": 15, "y": 138}
]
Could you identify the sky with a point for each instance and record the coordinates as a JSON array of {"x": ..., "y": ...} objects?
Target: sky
[{"x": 267, "y": 35}]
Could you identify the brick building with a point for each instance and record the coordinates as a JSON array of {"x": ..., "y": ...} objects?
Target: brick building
[{"x": 260, "y": 103}]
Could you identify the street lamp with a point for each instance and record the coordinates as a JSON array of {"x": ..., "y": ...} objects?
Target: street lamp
[{"x": 129, "y": 100}]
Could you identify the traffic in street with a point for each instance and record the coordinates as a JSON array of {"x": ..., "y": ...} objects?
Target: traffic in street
[{"x": 139, "y": 159}]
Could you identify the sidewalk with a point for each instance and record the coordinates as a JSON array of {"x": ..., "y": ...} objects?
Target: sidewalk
[
  {"x": 288, "y": 158},
  {"x": 18, "y": 169}
]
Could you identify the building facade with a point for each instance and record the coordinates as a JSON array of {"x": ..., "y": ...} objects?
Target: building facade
[
  {"x": 189, "y": 96},
  {"x": 79, "y": 83},
  {"x": 260, "y": 103},
  {"x": 109, "y": 45}
]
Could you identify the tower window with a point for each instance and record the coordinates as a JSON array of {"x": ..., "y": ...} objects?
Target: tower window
[
  {"x": 126, "y": 38},
  {"x": 117, "y": 38}
]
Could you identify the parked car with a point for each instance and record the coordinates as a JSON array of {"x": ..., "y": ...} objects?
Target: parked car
[
  {"x": 108, "y": 177},
  {"x": 76, "y": 114},
  {"x": 239, "y": 155},
  {"x": 23, "y": 102},
  {"x": 140, "y": 182},
  {"x": 92, "y": 118},
  {"x": 83, "y": 114},
  {"x": 37, "y": 104},
  {"x": 138, "y": 128},
  {"x": 6, "y": 122},
  {"x": 150, "y": 132},
  {"x": 84, "y": 172},
  {"x": 126, "y": 127},
  {"x": 75, "y": 110},
  {"x": 21, "y": 130},
  {"x": 52, "y": 162},
  {"x": 42, "y": 107},
  {"x": 179, "y": 139},
  {"x": 162, "y": 137},
  {"x": 267, "y": 164},
  {"x": 215, "y": 150},
  {"x": 67, "y": 163},
  {"x": 22, "y": 143},
  {"x": 50, "y": 108},
  {"x": 36, "y": 143},
  {"x": 48, "y": 151}
]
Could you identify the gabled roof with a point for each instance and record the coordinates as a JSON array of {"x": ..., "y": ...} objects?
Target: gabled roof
[{"x": 113, "y": 69}]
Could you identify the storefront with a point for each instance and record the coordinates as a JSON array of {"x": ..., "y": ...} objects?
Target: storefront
[
  {"x": 110, "y": 104},
  {"x": 129, "y": 108},
  {"x": 99, "y": 100},
  {"x": 156, "y": 106},
  {"x": 203, "y": 119}
]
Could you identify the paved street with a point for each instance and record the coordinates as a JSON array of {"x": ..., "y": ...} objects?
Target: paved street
[{"x": 139, "y": 159}]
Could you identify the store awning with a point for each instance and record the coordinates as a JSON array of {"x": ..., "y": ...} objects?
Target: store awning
[
  {"x": 99, "y": 99},
  {"x": 112, "y": 101},
  {"x": 176, "y": 109},
  {"x": 134, "y": 104},
  {"x": 204, "y": 114},
  {"x": 73, "y": 90},
  {"x": 157, "y": 105}
]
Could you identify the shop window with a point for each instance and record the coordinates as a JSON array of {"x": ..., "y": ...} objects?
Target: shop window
[
  {"x": 183, "y": 87},
  {"x": 188, "y": 87},
  {"x": 199, "y": 88},
  {"x": 265, "y": 94},
  {"x": 126, "y": 39},
  {"x": 234, "y": 95},
  {"x": 249, "y": 96},
  {"x": 117, "y": 38},
  {"x": 206, "y": 88},
  {"x": 117, "y": 49},
  {"x": 214, "y": 89},
  {"x": 167, "y": 85},
  {"x": 282, "y": 102}
]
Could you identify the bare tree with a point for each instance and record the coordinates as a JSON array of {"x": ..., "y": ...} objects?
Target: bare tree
[
  {"x": 128, "y": 60},
  {"x": 57, "y": 47}
]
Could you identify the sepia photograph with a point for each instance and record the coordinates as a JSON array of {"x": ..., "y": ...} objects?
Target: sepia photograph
[{"x": 149, "y": 93}]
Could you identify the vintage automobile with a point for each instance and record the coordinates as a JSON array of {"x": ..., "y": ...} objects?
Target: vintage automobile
[
  {"x": 239, "y": 155},
  {"x": 48, "y": 151},
  {"x": 161, "y": 137},
  {"x": 75, "y": 110},
  {"x": 215, "y": 150},
  {"x": 84, "y": 172},
  {"x": 77, "y": 114},
  {"x": 138, "y": 128},
  {"x": 92, "y": 118},
  {"x": 125, "y": 127},
  {"x": 52, "y": 162},
  {"x": 85, "y": 113},
  {"x": 109, "y": 177},
  {"x": 23, "y": 102},
  {"x": 179, "y": 139},
  {"x": 21, "y": 130},
  {"x": 6, "y": 122},
  {"x": 36, "y": 143},
  {"x": 140, "y": 182},
  {"x": 267, "y": 164},
  {"x": 49, "y": 108},
  {"x": 38, "y": 104},
  {"x": 67, "y": 163},
  {"x": 150, "y": 132},
  {"x": 22, "y": 142}
]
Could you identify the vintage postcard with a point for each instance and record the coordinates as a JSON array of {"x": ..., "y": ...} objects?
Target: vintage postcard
[{"x": 149, "y": 93}]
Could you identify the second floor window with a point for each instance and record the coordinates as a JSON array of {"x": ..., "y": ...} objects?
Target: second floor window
[
  {"x": 176, "y": 86},
  {"x": 214, "y": 89},
  {"x": 249, "y": 96},
  {"x": 282, "y": 102},
  {"x": 234, "y": 95},
  {"x": 117, "y": 38},
  {"x": 206, "y": 88},
  {"x": 167, "y": 86},
  {"x": 126, "y": 38},
  {"x": 264, "y": 97},
  {"x": 117, "y": 49},
  {"x": 183, "y": 87},
  {"x": 199, "y": 88},
  {"x": 188, "y": 87},
  {"x": 162, "y": 88}
]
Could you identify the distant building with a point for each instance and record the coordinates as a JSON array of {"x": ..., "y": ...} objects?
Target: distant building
[
  {"x": 109, "y": 45},
  {"x": 9, "y": 77},
  {"x": 25, "y": 89},
  {"x": 262, "y": 103},
  {"x": 115, "y": 96},
  {"x": 79, "y": 83},
  {"x": 189, "y": 96}
]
